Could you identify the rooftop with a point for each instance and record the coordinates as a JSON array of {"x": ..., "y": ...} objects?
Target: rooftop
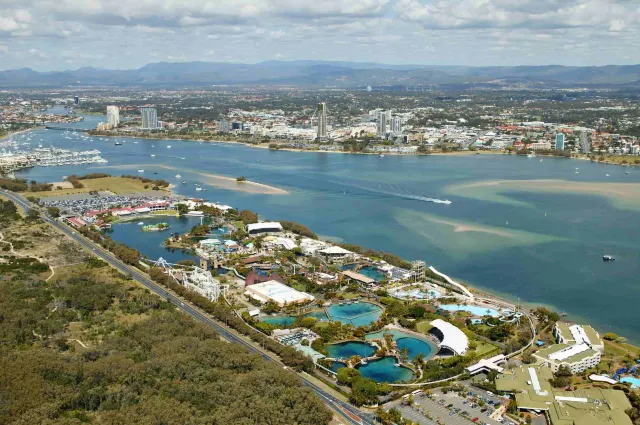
[
  {"x": 566, "y": 353},
  {"x": 453, "y": 338}
]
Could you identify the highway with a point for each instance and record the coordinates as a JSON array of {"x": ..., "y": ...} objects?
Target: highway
[{"x": 345, "y": 410}]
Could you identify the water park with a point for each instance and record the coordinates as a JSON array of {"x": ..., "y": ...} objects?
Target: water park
[{"x": 356, "y": 313}]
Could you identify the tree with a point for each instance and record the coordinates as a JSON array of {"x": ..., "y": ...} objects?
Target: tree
[
  {"x": 182, "y": 208},
  {"x": 53, "y": 211},
  {"x": 346, "y": 375},
  {"x": 247, "y": 216},
  {"x": 33, "y": 214},
  {"x": 610, "y": 336}
]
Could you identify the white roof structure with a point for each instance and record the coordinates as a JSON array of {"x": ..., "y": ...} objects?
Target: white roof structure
[
  {"x": 569, "y": 352},
  {"x": 579, "y": 334},
  {"x": 286, "y": 243},
  {"x": 266, "y": 226},
  {"x": 335, "y": 250},
  {"x": 487, "y": 365},
  {"x": 277, "y": 292},
  {"x": 452, "y": 282},
  {"x": 453, "y": 338}
]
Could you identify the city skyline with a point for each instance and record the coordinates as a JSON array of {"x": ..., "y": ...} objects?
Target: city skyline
[{"x": 49, "y": 36}]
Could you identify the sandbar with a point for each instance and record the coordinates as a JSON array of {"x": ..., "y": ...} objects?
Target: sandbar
[
  {"x": 621, "y": 195},
  {"x": 214, "y": 180}
]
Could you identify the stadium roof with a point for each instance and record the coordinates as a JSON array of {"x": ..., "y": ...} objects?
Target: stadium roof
[
  {"x": 267, "y": 226},
  {"x": 453, "y": 338}
]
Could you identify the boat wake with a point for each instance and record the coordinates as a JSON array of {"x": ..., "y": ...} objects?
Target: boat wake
[{"x": 425, "y": 199}]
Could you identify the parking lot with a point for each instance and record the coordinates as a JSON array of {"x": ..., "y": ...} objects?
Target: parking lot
[{"x": 452, "y": 409}]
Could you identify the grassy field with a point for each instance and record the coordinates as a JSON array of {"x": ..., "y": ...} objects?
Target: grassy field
[
  {"x": 484, "y": 348},
  {"x": 117, "y": 185},
  {"x": 424, "y": 327}
]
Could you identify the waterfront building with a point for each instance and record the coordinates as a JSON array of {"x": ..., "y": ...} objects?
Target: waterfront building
[
  {"x": 584, "y": 142},
  {"x": 76, "y": 100},
  {"x": 277, "y": 292},
  {"x": 560, "y": 141},
  {"x": 566, "y": 333},
  {"x": 322, "y": 121},
  {"x": 541, "y": 146},
  {"x": 530, "y": 387},
  {"x": 396, "y": 125},
  {"x": 419, "y": 269},
  {"x": 577, "y": 357},
  {"x": 381, "y": 126},
  {"x": 224, "y": 126},
  {"x": 113, "y": 116},
  {"x": 264, "y": 227},
  {"x": 149, "y": 118}
]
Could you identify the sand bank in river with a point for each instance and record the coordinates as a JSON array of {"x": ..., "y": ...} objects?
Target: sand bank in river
[
  {"x": 214, "y": 180},
  {"x": 621, "y": 195}
]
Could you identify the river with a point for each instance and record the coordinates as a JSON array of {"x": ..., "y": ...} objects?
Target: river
[{"x": 538, "y": 236}]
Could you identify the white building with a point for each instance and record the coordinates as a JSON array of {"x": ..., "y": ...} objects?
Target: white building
[
  {"x": 322, "y": 121},
  {"x": 149, "y": 118},
  {"x": 451, "y": 337},
  {"x": 396, "y": 125},
  {"x": 578, "y": 357},
  {"x": 382, "y": 121},
  {"x": 566, "y": 333},
  {"x": 264, "y": 227},
  {"x": 277, "y": 292},
  {"x": 113, "y": 116}
]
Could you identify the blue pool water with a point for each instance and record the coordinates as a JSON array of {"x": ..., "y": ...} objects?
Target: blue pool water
[
  {"x": 414, "y": 344},
  {"x": 344, "y": 350},
  {"x": 357, "y": 314},
  {"x": 279, "y": 320},
  {"x": 417, "y": 294},
  {"x": 635, "y": 382},
  {"x": 383, "y": 370},
  {"x": 476, "y": 311}
]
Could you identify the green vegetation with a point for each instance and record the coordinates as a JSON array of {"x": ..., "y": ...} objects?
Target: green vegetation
[
  {"x": 389, "y": 258},
  {"x": 364, "y": 391},
  {"x": 241, "y": 179},
  {"x": 21, "y": 185},
  {"x": 298, "y": 228}
]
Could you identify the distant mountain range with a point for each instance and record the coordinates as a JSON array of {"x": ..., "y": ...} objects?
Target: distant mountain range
[{"x": 323, "y": 74}]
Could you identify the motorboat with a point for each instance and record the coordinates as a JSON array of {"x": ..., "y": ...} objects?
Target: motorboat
[
  {"x": 178, "y": 176},
  {"x": 198, "y": 189},
  {"x": 608, "y": 258},
  {"x": 168, "y": 146},
  {"x": 531, "y": 155},
  {"x": 118, "y": 143},
  {"x": 141, "y": 171},
  {"x": 396, "y": 365},
  {"x": 152, "y": 155}
]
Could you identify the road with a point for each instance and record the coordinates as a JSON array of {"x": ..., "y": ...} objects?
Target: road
[{"x": 350, "y": 413}]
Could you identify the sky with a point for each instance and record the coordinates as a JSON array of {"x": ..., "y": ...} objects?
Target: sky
[{"x": 48, "y": 35}]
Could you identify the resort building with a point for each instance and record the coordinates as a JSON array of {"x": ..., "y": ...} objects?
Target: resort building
[
  {"x": 264, "y": 227},
  {"x": 578, "y": 334},
  {"x": 335, "y": 253},
  {"x": 532, "y": 391},
  {"x": 578, "y": 357},
  {"x": 451, "y": 338},
  {"x": 487, "y": 365},
  {"x": 277, "y": 292}
]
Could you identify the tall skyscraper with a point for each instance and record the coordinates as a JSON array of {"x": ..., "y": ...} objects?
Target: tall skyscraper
[
  {"x": 396, "y": 125},
  {"x": 224, "y": 126},
  {"x": 560, "y": 141},
  {"x": 76, "y": 100},
  {"x": 322, "y": 120},
  {"x": 149, "y": 118},
  {"x": 113, "y": 116},
  {"x": 381, "y": 118},
  {"x": 584, "y": 141}
]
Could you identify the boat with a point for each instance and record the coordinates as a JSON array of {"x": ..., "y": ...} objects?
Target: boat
[
  {"x": 606, "y": 175},
  {"x": 531, "y": 155},
  {"x": 397, "y": 365},
  {"x": 118, "y": 143},
  {"x": 152, "y": 155},
  {"x": 381, "y": 156},
  {"x": 168, "y": 146},
  {"x": 184, "y": 182},
  {"x": 608, "y": 258},
  {"x": 363, "y": 361},
  {"x": 198, "y": 189},
  {"x": 155, "y": 227},
  {"x": 140, "y": 224},
  {"x": 141, "y": 171},
  {"x": 178, "y": 176}
]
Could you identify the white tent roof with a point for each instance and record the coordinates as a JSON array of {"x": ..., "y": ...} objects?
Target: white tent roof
[
  {"x": 264, "y": 226},
  {"x": 453, "y": 338},
  {"x": 335, "y": 250}
]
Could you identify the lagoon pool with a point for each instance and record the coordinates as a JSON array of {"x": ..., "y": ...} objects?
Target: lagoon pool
[
  {"x": 279, "y": 320},
  {"x": 336, "y": 365},
  {"x": 635, "y": 382},
  {"x": 475, "y": 310},
  {"x": 369, "y": 271},
  {"x": 384, "y": 370},
  {"x": 344, "y": 350},
  {"x": 417, "y": 294},
  {"x": 412, "y": 343},
  {"x": 356, "y": 314}
]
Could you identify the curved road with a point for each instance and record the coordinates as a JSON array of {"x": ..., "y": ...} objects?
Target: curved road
[{"x": 352, "y": 414}]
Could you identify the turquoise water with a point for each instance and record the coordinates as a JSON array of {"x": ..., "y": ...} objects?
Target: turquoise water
[
  {"x": 635, "y": 382},
  {"x": 279, "y": 320},
  {"x": 383, "y": 370},
  {"x": 414, "y": 344},
  {"x": 344, "y": 350},
  {"x": 380, "y": 203},
  {"x": 368, "y": 271},
  {"x": 476, "y": 311},
  {"x": 357, "y": 314}
]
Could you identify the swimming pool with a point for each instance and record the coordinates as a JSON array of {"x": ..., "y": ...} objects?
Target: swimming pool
[
  {"x": 279, "y": 320},
  {"x": 635, "y": 382},
  {"x": 356, "y": 313},
  {"x": 344, "y": 350},
  {"x": 384, "y": 370},
  {"x": 369, "y": 271},
  {"x": 412, "y": 343},
  {"x": 476, "y": 311},
  {"x": 417, "y": 294}
]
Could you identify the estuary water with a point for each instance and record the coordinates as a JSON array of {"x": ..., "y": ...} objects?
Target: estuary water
[{"x": 519, "y": 227}]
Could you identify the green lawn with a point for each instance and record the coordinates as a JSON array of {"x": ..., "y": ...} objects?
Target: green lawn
[
  {"x": 484, "y": 348},
  {"x": 423, "y": 327}
]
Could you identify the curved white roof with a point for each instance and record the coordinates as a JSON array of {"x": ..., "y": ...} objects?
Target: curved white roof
[
  {"x": 453, "y": 338},
  {"x": 264, "y": 226}
]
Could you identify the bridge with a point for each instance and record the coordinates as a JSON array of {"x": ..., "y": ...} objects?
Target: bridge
[{"x": 80, "y": 130}]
